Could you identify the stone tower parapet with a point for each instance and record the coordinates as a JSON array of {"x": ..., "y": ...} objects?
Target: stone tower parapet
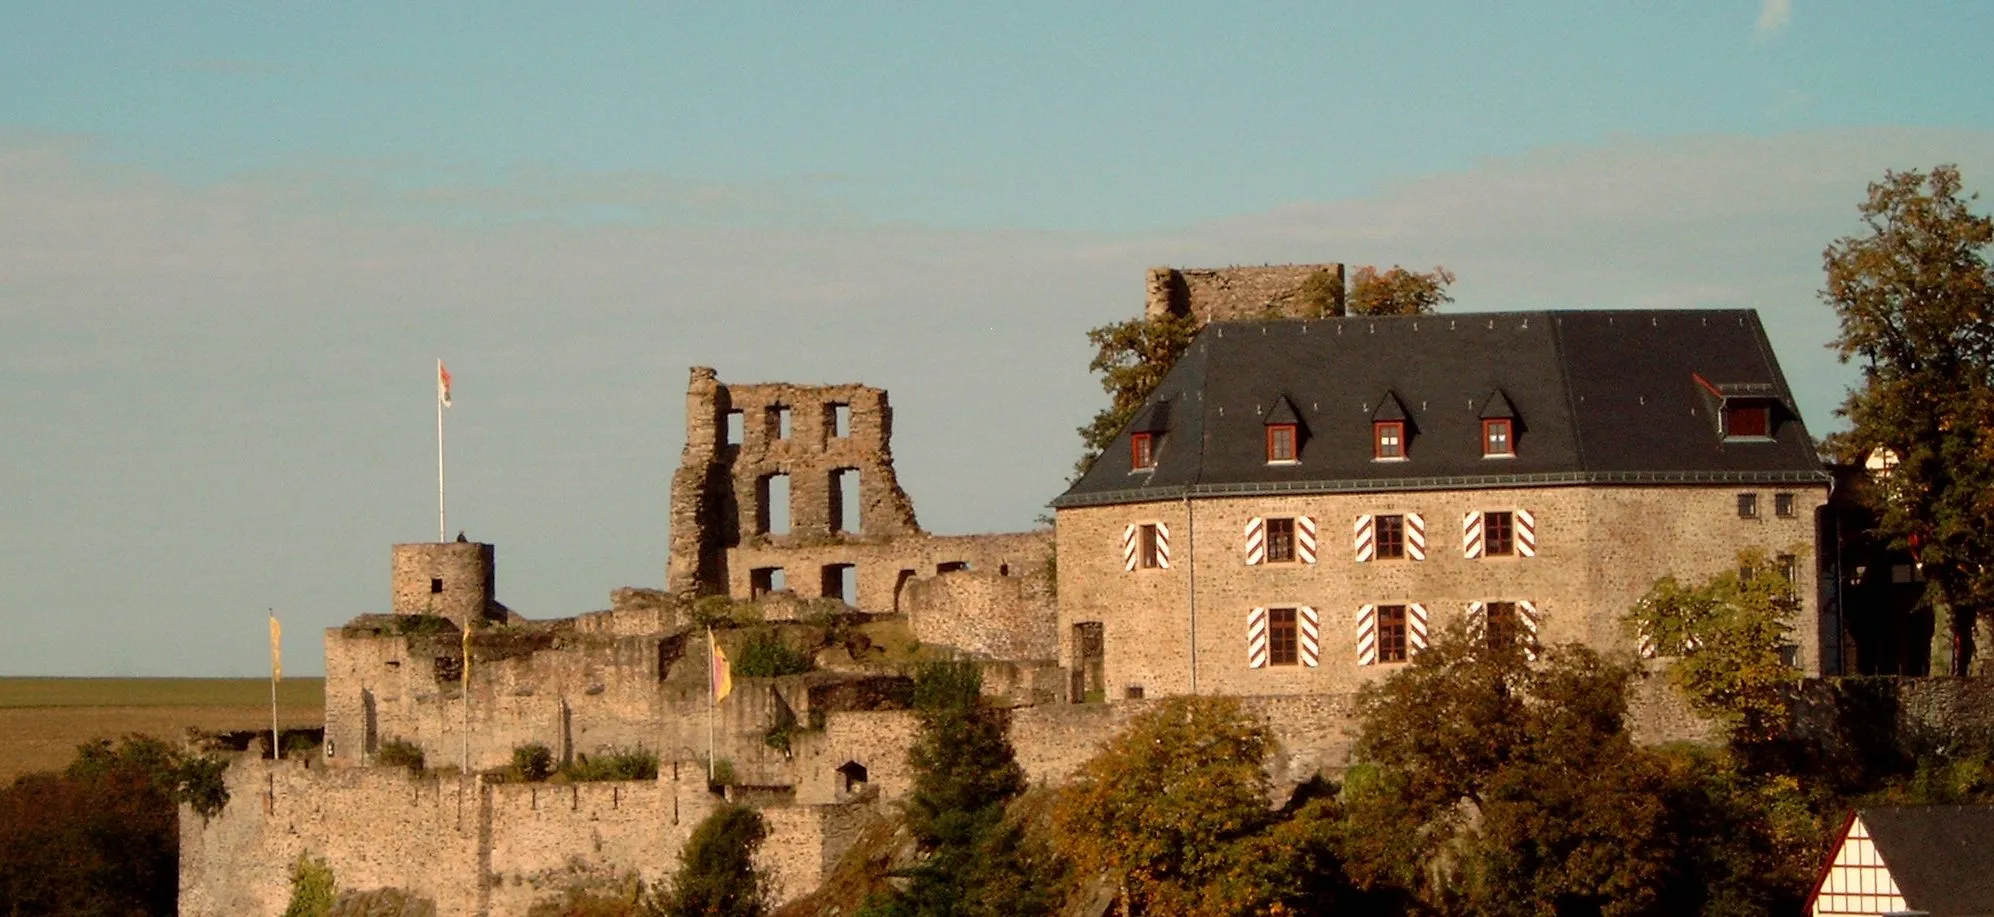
[
  {"x": 1236, "y": 293},
  {"x": 455, "y": 580}
]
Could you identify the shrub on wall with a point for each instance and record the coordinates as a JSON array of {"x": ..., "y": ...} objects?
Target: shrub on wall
[
  {"x": 764, "y": 655},
  {"x": 532, "y": 762},
  {"x": 400, "y": 753},
  {"x": 313, "y": 888},
  {"x": 613, "y": 764}
]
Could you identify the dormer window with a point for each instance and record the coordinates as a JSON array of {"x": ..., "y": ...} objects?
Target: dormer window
[
  {"x": 1747, "y": 420},
  {"x": 1388, "y": 440},
  {"x": 1142, "y": 451},
  {"x": 1496, "y": 442},
  {"x": 1280, "y": 443}
]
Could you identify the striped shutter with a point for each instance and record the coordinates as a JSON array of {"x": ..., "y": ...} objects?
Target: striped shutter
[
  {"x": 1531, "y": 619},
  {"x": 1128, "y": 547},
  {"x": 1471, "y": 534},
  {"x": 1305, "y": 539},
  {"x": 1256, "y": 541},
  {"x": 1478, "y": 622},
  {"x": 1310, "y": 626},
  {"x": 1415, "y": 536},
  {"x": 1415, "y": 629},
  {"x": 1364, "y": 538},
  {"x": 1367, "y": 635},
  {"x": 1256, "y": 639},
  {"x": 1163, "y": 546},
  {"x": 1526, "y": 534}
]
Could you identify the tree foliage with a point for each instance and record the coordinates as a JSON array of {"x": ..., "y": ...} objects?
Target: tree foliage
[
  {"x": 1915, "y": 297},
  {"x": 1398, "y": 291},
  {"x": 717, "y": 875},
  {"x": 1132, "y": 358},
  {"x": 1728, "y": 636},
  {"x": 314, "y": 889}
]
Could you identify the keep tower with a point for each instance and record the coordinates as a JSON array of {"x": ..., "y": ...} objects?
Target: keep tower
[{"x": 455, "y": 580}]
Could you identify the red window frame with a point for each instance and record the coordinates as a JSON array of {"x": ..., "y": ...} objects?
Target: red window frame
[
  {"x": 1280, "y": 541},
  {"x": 1283, "y": 637},
  {"x": 1491, "y": 444},
  {"x": 1749, "y": 420},
  {"x": 1498, "y": 533},
  {"x": 1281, "y": 442},
  {"x": 1392, "y": 633},
  {"x": 1388, "y": 537},
  {"x": 1146, "y": 547},
  {"x": 1142, "y": 451},
  {"x": 1383, "y": 430}
]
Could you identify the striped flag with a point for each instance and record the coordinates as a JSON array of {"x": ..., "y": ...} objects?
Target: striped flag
[
  {"x": 276, "y": 649},
  {"x": 442, "y": 383},
  {"x": 722, "y": 676}
]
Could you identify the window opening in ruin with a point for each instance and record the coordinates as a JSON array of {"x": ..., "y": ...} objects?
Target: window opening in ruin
[
  {"x": 772, "y": 504},
  {"x": 838, "y": 417},
  {"x": 764, "y": 580},
  {"x": 1003, "y": 569},
  {"x": 852, "y": 777},
  {"x": 841, "y": 582},
  {"x": 435, "y": 585},
  {"x": 951, "y": 566},
  {"x": 449, "y": 668},
  {"x": 1390, "y": 533},
  {"x": 899, "y": 586},
  {"x": 777, "y": 421},
  {"x": 1280, "y": 541},
  {"x": 845, "y": 501},
  {"x": 1132, "y": 692},
  {"x": 737, "y": 428},
  {"x": 1283, "y": 638},
  {"x": 1391, "y": 633},
  {"x": 1498, "y": 534}
]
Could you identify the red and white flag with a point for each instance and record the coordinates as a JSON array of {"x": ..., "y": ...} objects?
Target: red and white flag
[{"x": 442, "y": 384}]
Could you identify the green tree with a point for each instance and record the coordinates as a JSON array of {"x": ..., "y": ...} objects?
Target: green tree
[
  {"x": 1174, "y": 809},
  {"x": 717, "y": 875},
  {"x": 1729, "y": 637},
  {"x": 314, "y": 889},
  {"x": 1398, "y": 291},
  {"x": 1916, "y": 301},
  {"x": 1132, "y": 358}
]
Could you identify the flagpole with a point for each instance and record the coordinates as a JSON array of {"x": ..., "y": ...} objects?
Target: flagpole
[
  {"x": 442, "y": 520},
  {"x": 276, "y": 753},
  {"x": 712, "y": 703}
]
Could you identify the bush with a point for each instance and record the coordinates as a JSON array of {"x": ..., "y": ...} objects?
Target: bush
[
  {"x": 717, "y": 875},
  {"x": 400, "y": 753},
  {"x": 313, "y": 888},
  {"x": 423, "y": 625},
  {"x": 613, "y": 764},
  {"x": 764, "y": 655},
  {"x": 532, "y": 762}
]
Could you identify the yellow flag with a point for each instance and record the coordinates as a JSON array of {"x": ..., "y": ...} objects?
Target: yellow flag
[
  {"x": 467, "y": 654},
  {"x": 722, "y": 676},
  {"x": 276, "y": 649}
]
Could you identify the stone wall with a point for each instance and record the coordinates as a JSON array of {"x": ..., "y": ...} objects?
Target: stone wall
[
  {"x": 986, "y": 613},
  {"x": 455, "y": 580},
  {"x": 883, "y": 568},
  {"x": 1598, "y": 550},
  {"x": 1235, "y": 293}
]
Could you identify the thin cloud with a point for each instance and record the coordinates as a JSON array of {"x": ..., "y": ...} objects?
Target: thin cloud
[{"x": 1774, "y": 16}]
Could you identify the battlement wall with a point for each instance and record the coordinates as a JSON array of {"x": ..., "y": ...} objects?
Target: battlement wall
[{"x": 1236, "y": 293}]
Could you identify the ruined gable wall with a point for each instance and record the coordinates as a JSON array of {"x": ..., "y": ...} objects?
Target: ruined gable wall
[
  {"x": 985, "y": 613},
  {"x": 1235, "y": 293},
  {"x": 886, "y": 568}
]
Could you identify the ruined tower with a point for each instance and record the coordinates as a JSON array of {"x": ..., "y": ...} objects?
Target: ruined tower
[{"x": 455, "y": 580}]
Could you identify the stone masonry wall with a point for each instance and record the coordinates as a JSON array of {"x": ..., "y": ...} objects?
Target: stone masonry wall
[
  {"x": 456, "y": 580},
  {"x": 986, "y": 613},
  {"x": 1234, "y": 293},
  {"x": 1598, "y": 551}
]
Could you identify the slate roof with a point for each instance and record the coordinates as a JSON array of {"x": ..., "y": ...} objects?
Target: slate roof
[
  {"x": 1598, "y": 397},
  {"x": 1941, "y": 856}
]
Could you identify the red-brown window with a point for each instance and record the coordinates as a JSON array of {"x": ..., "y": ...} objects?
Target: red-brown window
[
  {"x": 1281, "y": 442},
  {"x": 1500, "y": 625},
  {"x": 1280, "y": 541},
  {"x": 1390, "y": 533},
  {"x": 1283, "y": 644},
  {"x": 1498, "y": 534},
  {"x": 1142, "y": 451},
  {"x": 1388, "y": 439},
  {"x": 1496, "y": 439},
  {"x": 1747, "y": 420},
  {"x": 1146, "y": 547},
  {"x": 1391, "y": 633}
]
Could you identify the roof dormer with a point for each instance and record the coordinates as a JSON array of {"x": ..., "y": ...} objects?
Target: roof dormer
[
  {"x": 1499, "y": 426},
  {"x": 1391, "y": 430},
  {"x": 1146, "y": 434},
  {"x": 1284, "y": 433}
]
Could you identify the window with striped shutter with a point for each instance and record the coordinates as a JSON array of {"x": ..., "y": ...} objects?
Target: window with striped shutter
[
  {"x": 1283, "y": 636},
  {"x": 1519, "y": 533},
  {"x": 1256, "y": 638},
  {"x": 1297, "y": 535},
  {"x": 1390, "y": 633},
  {"x": 1311, "y": 631},
  {"x": 1403, "y": 536},
  {"x": 1146, "y": 545},
  {"x": 1519, "y": 620}
]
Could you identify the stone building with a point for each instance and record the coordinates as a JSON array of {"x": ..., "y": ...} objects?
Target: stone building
[{"x": 1302, "y": 503}]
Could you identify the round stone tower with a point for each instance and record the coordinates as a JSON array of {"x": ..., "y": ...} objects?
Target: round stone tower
[{"x": 455, "y": 580}]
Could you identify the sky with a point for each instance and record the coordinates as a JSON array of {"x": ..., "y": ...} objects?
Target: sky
[{"x": 234, "y": 238}]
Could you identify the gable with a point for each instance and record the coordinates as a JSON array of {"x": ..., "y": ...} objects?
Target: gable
[{"x": 1856, "y": 881}]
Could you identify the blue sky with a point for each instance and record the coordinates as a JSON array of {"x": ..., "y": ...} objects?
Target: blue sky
[{"x": 233, "y": 239}]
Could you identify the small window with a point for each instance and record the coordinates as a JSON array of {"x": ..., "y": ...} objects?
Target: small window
[
  {"x": 1789, "y": 569},
  {"x": 737, "y": 428},
  {"x": 1499, "y": 534},
  {"x": 1391, "y": 536},
  {"x": 435, "y": 585},
  {"x": 1281, "y": 442},
  {"x": 1747, "y": 420},
  {"x": 1748, "y": 506},
  {"x": 841, "y": 420},
  {"x": 1146, "y": 547},
  {"x": 1496, "y": 439},
  {"x": 1132, "y": 692},
  {"x": 1142, "y": 451},
  {"x": 1283, "y": 643},
  {"x": 1500, "y": 626},
  {"x": 1388, "y": 440},
  {"x": 776, "y": 421},
  {"x": 1391, "y": 633},
  {"x": 951, "y": 566},
  {"x": 1280, "y": 541},
  {"x": 1783, "y": 505}
]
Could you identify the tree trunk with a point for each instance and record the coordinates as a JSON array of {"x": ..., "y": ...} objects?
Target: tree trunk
[
  {"x": 1983, "y": 640},
  {"x": 1943, "y": 632}
]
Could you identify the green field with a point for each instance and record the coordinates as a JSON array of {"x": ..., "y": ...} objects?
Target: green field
[
  {"x": 42, "y": 720},
  {"x": 159, "y": 692}
]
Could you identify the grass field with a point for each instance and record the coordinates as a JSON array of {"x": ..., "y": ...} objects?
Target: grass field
[{"x": 42, "y": 720}]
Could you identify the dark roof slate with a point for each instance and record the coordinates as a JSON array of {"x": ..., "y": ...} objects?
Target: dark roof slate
[
  {"x": 1496, "y": 407},
  {"x": 1941, "y": 856},
  {"x": 1595, "y": 395},
  {"x": 1282, "y": 412}
]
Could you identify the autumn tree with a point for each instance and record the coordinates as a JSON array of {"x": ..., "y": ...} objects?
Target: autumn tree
[
  {"x": 1398, "y": 291},
  {"x": 1916, "y": 301},
  {"x": 1728, "y": 639},
  {"x": 717, "y": 875}
]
